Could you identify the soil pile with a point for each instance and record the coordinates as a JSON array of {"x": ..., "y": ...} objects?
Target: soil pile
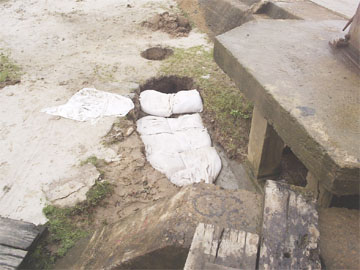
[{"x": 175, "y": 25}]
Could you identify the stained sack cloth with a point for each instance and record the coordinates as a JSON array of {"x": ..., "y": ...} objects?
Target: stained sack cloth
[
  {"x": 160, "y": 104},
  {"x": 180, "y": 148},
  {"x": 89, "y": 104}
]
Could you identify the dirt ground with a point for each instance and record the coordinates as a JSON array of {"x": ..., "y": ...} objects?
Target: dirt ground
[{"x": 136, "y": 182}]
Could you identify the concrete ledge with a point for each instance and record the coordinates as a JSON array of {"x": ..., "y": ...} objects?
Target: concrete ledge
[
  {"x": 309, "y": 95},
  {"x": 298, "y": 10},
  {"x": 222, "y": 16}
]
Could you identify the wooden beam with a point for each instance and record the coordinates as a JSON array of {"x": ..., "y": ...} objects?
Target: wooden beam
[
  {"x": 290, "y": 234},
  {"x": 11, "y": 258},
  {"x": 17, "y": 234},
  {"x": 222, "y": 248}
]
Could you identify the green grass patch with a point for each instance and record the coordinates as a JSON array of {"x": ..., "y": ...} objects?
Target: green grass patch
[
  {"x": 90, "y": 160},
  {"x": 9, "y": 72},
  {"x": 224, "y": 105},
  {"x": 66, "y": 226},
  {"x": 97, "y": 162},
  {"x": 61, "y": 228}
]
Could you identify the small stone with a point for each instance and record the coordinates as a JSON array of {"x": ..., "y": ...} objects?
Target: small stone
[
  {"x": 129, "y": 131},
  {"x": 172, "y": 25},
  {"x": 182, "y": 21},
  {"x": 155, "y": 20}
]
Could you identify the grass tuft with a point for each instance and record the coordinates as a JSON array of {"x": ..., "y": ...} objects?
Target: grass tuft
[
  {"x": 9, "y": 72},
  {"x": 66, "y": 226}
]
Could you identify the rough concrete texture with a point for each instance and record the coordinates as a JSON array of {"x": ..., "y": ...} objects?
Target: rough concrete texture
[
  {"x": 265, "y": 148},
  {"x": 354, "y": 42},
  {"x": 291, "y": 9},
  {"x": 345, "y": 8},
  {"x": 233, "y": 174},
  {"x": 218, "y": 16},
  {"x": 170, "y": 224},
  {"x": 73, "y": 188},
  {"x": 306, "y": 92},
  {"x": 340, "y": 238},
  {"x": 222, "y": 16}
]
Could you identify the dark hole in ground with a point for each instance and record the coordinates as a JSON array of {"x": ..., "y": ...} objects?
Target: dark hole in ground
[
  {"x": 293, "y": 171},
  {"x": 287, "y": 255},
  {"x": 170, "y": 257},
  {"x": 348, "y": 201},
  {"x": 168, "y": 84},
  {"x": 157, "y": 53}
]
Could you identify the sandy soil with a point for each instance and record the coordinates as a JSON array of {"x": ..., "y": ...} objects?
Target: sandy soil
[
  {"x": 63, "y": 46},
  {"x": 136, "y": 182}
]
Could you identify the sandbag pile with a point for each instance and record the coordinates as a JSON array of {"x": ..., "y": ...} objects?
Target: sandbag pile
[{"x": 178, "y": 147}]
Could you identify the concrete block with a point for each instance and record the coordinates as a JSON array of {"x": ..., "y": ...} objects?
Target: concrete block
[
  {"x": 308, "y": 94},
  {"x": 265, "y": 148}
]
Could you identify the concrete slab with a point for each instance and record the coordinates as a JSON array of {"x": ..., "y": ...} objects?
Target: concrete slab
[
  {"x": 221, "y": 16},
  {"x": 344, "y": 8},
  {"x": 309, "y": 94},
  {"x": 305, "y": 10}
]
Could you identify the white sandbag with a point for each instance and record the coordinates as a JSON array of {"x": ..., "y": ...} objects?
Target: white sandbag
[
  {"x": 90, "y": 103},
  {"x": 180, "y": 148},
  {"x": 173, "y": 134},
  {"x": 185, "y": 122},
  {"x": 156, "y": 103},
  {"x": 160, "y": 104},
  {"x": 193, "y": 138},
  {"x": 203, "y": 164},
  {"x": 178, "y": 141},
  {"x": 163, "y": 142},
  {"x": 167, "y": 163},
  {"x": 150, "y": 125},
  {"x": 187, "y": 102}
]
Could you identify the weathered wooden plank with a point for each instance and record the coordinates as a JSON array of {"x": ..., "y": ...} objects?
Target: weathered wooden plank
[
  {"x": 219, "y": 248},
  {"x": 11, "y": 258},
  {"x": 17, "y": 234},
  {"x": 290, "y": 235}
]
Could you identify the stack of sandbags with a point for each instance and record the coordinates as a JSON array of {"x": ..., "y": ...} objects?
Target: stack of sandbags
[{"x": 178, "y": 147}]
